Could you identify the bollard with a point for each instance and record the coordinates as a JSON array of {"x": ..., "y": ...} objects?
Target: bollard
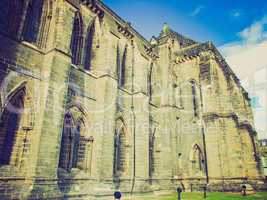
[
  {"x": 179, "y": 191},
  {"x": 117, "y": 195},
  {"x": 205, "y": 191},
  {"x": 244, "y": 193}
]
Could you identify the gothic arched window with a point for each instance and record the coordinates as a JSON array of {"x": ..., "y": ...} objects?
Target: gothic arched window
[
  {"x": 4, "y": 14},
  {"x": 10, "y": 15},
  {"x": 118, "y": 62},
  {"x": 152, "y": 153},
  {"x": 150, "y": 82},
  {"x": 10, "y": 123},
  {"x": 205, "y": 74},
  {"x": 89, "y": 47},
  {"x": 69, "y": 150},
  {"x": 66, "y": 149},
  {"x": 194, "y": 96},
  {"x": 122, "y": 69},
  {"x": 197, "y": 158},
  {"x": 119, "y": 149},
  {"x": 76, "y": 143},
  {"x": 76, "y": 148},
  {"x": 77, "y": 39},
  {"x": 33, "y": 21},
  {"x": 45, "y": 23}
]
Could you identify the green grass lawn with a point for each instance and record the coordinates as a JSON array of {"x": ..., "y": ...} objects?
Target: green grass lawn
[{"x": 210, "y": 196}]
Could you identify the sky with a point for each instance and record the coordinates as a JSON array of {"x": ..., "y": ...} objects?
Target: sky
[
  {"x": 237, "y": 27},
  {"x": 202, "y": 20}
]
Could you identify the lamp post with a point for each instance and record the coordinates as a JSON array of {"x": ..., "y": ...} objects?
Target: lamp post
[
  {"x": 117, "y": 195},
  {"x": 191, "y": 187},
  {"x": 179, "y": 191},
  {"x": 205, "y": 191}
]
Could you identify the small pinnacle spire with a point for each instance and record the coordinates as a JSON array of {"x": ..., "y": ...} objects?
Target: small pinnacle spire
[{"x": 166, "y": 29}]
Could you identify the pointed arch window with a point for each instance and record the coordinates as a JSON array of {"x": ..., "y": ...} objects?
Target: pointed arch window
[
  {"x": 33, "y": 21},
  {"x": 118, "y": 62},
  {"x": 195, "y": 100},
  {"x": 10, "y": 15},
  {"x": 10, "y": 125},
  {"x": 66, "y": 150},
  {"x": 75, "y": 149},
  {"x": 76, "y": 44},
  {"x": 76, "y": 143},
  {"x": 122, "y": 69},
  {"x": 150, "y": 82},
  {"x": 45, "y": 23},
  {"x": 69, "y": 151},
  {"x": 205, "y": 74},
  {"x": 197, "y": 158},
  {"x": 119, "y": 149},
  {"x": 90, "y": 39},
  {"x": 4, "y": 14},
  {"x": 152, "y": 139}
]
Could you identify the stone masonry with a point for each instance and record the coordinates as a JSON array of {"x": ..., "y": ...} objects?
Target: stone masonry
[{"x": 89, "y": 106}]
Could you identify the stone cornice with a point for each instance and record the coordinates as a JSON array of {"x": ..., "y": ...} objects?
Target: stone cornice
[
  {"x": 75, "y": 3},
  {"x": 124, "y": 29},
  {"x": 149, "y": 51},
  {"x": 94, "y": 7}
]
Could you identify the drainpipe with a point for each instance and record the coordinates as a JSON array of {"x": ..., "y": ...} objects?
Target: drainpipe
[{"x": 134, "y": 121}]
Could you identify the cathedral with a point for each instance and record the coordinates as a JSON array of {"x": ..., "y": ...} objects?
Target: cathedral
[{"x": 89, "y": 106}]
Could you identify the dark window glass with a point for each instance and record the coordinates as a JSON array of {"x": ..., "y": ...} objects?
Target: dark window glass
[
  {"x": 195, "y": 103},
  {"x": 66, "y": 144},
  {"x": 32, "y": 21},
  {"x": 4, "y": 10},
  {"x": 70, "y": 142},
  {"x": 10, "y": 121},
  {"x": 119, "y": 152},
  {"x": 122, "y": 69},
  {"x": 89, "y": 47},
  {"x": 76, "y": 40}
]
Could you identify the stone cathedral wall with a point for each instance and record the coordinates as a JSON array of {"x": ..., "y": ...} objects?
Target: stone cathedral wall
[{"x": 88, "y": 106}]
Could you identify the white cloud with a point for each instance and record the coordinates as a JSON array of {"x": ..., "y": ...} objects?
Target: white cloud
[
  {"x": 256, "y": 32},
  {"x": 249, "y": 38},
  {"x": 236, "y": 13},
  {"x": 247, "y": 57},
  {"x": 197, "y": 10}
]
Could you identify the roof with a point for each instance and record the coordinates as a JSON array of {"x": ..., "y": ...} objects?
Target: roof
[
  {"x": 168, "y": 32},
  {"x": 194, "y": 51}
]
